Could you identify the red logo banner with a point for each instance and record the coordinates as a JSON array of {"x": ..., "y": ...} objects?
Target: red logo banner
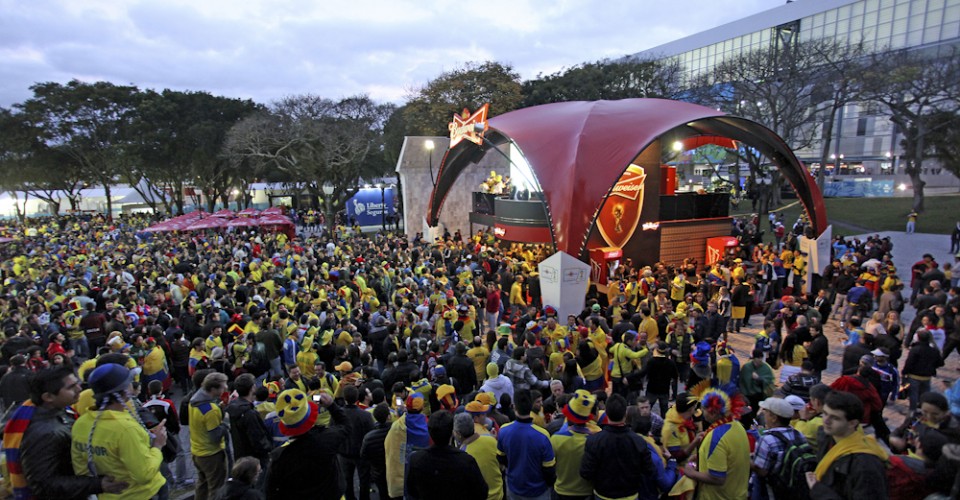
[{"x": 620, "y": 213}]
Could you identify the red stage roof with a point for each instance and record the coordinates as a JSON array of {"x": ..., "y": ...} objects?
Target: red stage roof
[{"x": 578, "y": 150}]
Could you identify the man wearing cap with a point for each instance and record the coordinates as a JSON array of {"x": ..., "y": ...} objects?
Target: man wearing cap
[
  {"x": 311, "y": 448},
  {"x": 482, "y": 447},
  {"x": 616, "y": 460},
  {"x": 43, "y": 455},
  {"x": 680, "y": 435},
  {"x": 772, "y": 445},
  {"x": 112, "y": 442},
  {"x": 208, "y": 433},
  {"x": 888, "y": 373},
  {"x": 568, "y": 444}
]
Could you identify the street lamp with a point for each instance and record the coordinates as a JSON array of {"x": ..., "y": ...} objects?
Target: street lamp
[
  {"x": 327, "y": 193},
  {"x": 428, "y": 145}
]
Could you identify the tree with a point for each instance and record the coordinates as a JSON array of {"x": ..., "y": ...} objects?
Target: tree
[
  {"x": 33, "y": 167},
  {"x": 916, "y": 88},
  {"x": 607, "y": 80},
  {"x": 838, "y": 83},
  {"x": 87, "y": 122},
  {"x": 431, "y": 107},
  {"x": 777, "y": 87},
  {"x": 944, "y": 140},
  {"x": 319, "y": 143},
  {"x": 179, "y": 140}
]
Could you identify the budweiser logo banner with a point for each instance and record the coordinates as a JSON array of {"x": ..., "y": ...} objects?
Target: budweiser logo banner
[{"x": 620, "y": 213}]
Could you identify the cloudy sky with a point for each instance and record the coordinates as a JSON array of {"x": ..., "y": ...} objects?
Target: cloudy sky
[{"x": 266, "y": 49}]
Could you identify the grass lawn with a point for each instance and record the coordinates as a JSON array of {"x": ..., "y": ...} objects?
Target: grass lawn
[{"x": 851, "y": 215}]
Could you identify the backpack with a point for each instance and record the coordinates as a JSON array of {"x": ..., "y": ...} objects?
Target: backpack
[
  {"x": 790, "y": 482},
  {"x": 904, "y": 483},
  {"x": 897, "y": 303}
]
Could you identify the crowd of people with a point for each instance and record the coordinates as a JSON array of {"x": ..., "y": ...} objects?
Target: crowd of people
[{"x": 343, "y": 365}]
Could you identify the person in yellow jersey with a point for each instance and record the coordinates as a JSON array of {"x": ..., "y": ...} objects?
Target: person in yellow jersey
[
  {"x": 111, "y": 440},
  {"x": 568, "y": 445},
  {"x": 483, "y": 449},
  {"x": 721, "y": 467},
  {"x": 208, "y": 433}
]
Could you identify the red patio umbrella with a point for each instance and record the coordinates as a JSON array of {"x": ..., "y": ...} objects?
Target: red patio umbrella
[
  {"x": 244, "y": 222},
  {"x": 272, "y": 211},
  {"x": 226, "y": 213},
  {"x": 206, "y": 223},
  {"x": 248, "y": 212}
]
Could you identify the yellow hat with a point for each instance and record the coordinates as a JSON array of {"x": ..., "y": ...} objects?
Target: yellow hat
[{"x": 296, "y": 412}]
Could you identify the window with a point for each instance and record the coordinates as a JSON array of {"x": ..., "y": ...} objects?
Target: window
[
  {"x": 915, "y": 22},
  {"x": 950, "y": 30},
  {"x": 886, "y": 15},
  {"x": 900, "y": 26},
  {"x": 830, "y": 16}
]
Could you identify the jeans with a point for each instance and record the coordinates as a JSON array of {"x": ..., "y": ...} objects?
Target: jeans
[
  {"x": 164, "y": 492},
  {"x": 347, "y": 468},
  {"x": 276, "y": 370},
  {"x": 81, "y": 348},
  {"x": 546, "y": 495},
  {"x": 683, "y": 369},
  {"x": 911, "y": 225},
  {"x": 491, "y": 318},
  {"x": 664, "y": 400},
  {"x": 917, "y": 388},
  {"x": 211, "y": 474}
]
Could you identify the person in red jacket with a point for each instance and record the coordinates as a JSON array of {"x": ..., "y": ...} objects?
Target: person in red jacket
[{"x": 860, "y": 386}]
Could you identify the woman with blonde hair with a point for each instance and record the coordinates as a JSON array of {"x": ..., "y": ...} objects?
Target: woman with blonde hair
[{"x": 874, "y": 325}]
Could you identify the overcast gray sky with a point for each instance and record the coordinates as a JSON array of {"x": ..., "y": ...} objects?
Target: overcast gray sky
[{"x": 266, "y": 49}]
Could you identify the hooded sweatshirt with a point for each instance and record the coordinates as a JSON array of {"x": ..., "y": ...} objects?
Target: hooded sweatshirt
[
  {"x": 207, "y": 429},
  {"x": 120, "y": 447},
  {"x": 499, "y": 386},
  {"x": 520, "y": 375}
]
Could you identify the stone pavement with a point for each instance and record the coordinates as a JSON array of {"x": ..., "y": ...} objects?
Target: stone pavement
[{"x": 907, "y": 249}]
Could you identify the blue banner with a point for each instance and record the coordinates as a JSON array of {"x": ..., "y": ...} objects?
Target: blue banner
[
  {"x": 858, "y": 188},
  {"x": 370, "y": 204}
]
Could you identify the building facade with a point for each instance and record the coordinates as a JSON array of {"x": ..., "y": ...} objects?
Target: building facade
[{"x": 866, "y": 142}]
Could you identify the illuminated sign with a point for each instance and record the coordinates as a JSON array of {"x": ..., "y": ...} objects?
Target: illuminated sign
[
  {"x": 620, "y": 214},
  {"x": 464, "y": 126},
  {"x": 651, "y": 226},
  {"x": 499, "y": 232}
]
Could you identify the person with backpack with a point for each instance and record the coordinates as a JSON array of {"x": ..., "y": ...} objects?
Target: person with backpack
[{"x": 782, "y": 455}]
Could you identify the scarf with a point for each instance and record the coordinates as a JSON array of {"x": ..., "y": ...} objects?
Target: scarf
[
  {"x": 12, "y": 437},
  {"x": 857, "y": 442}
]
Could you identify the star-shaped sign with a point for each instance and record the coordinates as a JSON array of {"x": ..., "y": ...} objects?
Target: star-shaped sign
[{"x": 463, "y": 126}]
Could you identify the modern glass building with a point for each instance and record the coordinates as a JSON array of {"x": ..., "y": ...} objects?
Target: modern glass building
[{"x": 868, "y": 141}]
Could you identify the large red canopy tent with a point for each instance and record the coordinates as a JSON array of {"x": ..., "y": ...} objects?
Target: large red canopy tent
[{"x": 579, "y": 150}]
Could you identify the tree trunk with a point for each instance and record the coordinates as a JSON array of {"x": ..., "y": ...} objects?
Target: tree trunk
[
  {"x": 106, "y": 192},
  {"x": 827, "y": 136},
  {"x": 916, "y": 169}
]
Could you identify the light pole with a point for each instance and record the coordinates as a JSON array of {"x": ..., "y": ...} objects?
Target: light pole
[
  {"x": 327, "y": 193},
  {"x": 428, "y": 145}
]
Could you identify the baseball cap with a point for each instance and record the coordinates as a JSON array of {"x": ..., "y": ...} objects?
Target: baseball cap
[{"x": 777, "y": 406}]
